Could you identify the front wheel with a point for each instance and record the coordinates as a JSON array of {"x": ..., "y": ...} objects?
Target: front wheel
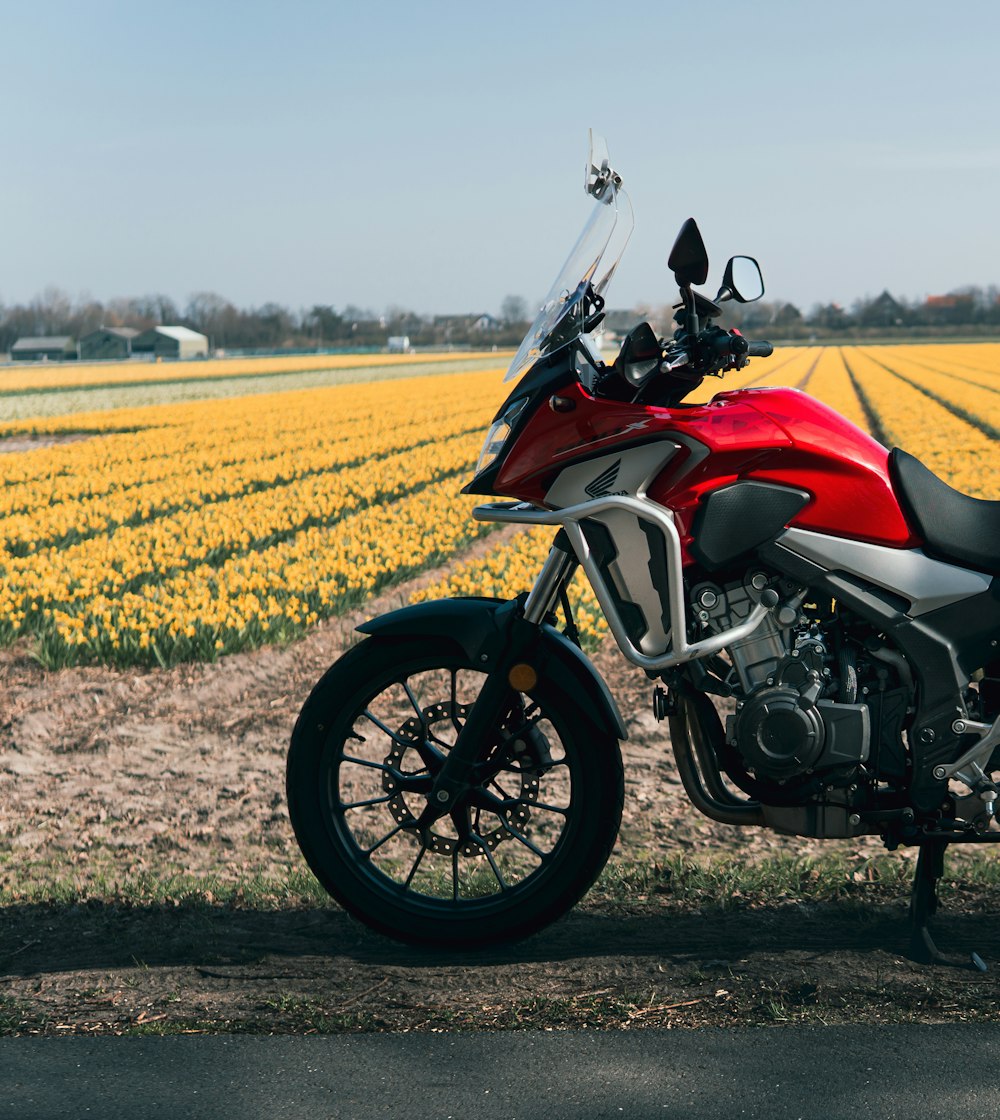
[{"x": 519, "y": 849}]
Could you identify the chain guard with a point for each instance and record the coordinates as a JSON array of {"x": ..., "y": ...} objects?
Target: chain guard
[{"x": 412, "y": 731}]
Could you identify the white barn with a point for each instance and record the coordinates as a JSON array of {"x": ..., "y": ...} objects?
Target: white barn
[{"x": 171, "y": 342}]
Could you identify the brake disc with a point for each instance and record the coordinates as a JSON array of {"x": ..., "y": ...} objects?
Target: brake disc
[{"x": 415, "y": 730}]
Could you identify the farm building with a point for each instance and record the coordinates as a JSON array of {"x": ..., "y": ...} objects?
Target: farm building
[
  {"x": 108, "y": 342},
  {"x": 54, "y": 348},
  {"x": 171, "y": 342}
]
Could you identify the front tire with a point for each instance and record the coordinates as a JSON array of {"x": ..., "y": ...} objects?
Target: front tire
[{"x": 529, "y": 839}]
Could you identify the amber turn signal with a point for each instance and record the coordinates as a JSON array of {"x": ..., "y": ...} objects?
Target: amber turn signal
[{"x": 522, "y": 677}]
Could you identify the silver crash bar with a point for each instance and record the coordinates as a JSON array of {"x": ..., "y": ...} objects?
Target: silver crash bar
[{"x": 680, "y": 650}]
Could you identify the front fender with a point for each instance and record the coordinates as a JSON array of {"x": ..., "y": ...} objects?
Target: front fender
[{"x": 479, "y": 628}]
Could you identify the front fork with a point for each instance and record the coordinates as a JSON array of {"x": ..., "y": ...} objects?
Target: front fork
[{"x": 511, "y": 670}]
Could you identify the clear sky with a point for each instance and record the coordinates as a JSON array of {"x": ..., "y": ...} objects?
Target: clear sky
[{"x": 430, "y": 154}]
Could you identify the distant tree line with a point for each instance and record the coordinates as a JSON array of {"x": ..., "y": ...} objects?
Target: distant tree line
[
  {"x": 968, "y": 310},
  {"x": 268, "y": 327}
]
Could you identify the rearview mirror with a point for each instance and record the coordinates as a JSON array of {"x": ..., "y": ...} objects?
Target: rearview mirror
[
  {"x": 742, "y": 282},
  {"x": 689, "y": 258}
]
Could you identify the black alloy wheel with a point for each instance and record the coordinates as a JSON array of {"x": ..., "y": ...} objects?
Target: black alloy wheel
[{"x": 519, "y": 849}]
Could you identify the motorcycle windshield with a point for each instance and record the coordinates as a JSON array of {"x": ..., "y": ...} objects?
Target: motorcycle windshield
[{"x": 588, "y": 269}]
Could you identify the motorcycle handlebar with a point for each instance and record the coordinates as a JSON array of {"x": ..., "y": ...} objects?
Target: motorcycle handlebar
[{"x": 732, "y": 346}]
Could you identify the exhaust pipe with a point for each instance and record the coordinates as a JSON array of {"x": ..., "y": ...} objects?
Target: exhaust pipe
[{"x": 693, "y": 749}]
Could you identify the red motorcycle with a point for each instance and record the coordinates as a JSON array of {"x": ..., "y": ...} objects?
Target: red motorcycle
[{"x": 455, "y": 779}]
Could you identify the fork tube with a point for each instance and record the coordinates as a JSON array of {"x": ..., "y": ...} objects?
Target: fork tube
[
  {"x": 452, "y": 780},
  {"x": 556, "y": 570}
]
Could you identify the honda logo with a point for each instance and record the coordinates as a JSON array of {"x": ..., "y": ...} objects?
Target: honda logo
[{"x": 601, "y": 486}]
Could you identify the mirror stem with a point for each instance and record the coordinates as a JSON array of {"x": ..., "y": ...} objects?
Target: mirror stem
[{"x": 691, "y": 317}]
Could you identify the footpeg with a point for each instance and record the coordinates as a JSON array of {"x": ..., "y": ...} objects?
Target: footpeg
[{"x": 664, "y": 705}]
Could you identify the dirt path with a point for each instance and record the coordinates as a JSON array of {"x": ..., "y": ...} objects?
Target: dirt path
[{"x": 112, "y": 773}]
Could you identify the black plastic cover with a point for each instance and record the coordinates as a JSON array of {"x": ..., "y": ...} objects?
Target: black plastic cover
[{"x": 737, "y": 518}]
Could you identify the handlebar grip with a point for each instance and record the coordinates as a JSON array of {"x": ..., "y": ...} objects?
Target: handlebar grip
[{"x": 760, "y": 350}]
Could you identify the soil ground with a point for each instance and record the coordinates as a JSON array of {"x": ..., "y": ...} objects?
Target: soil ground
[{"x": 108, "y": 775}]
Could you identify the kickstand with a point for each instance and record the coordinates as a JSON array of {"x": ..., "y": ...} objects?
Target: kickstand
[{"x": 924, "y": 904}]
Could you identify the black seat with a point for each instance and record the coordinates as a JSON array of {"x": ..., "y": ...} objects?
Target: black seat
[{"x": 955, "y": 526}]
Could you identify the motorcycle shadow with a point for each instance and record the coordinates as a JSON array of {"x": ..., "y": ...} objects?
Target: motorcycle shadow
[
  {"x": 40, "y": 939},
  {"x": 688, "y": 938}
]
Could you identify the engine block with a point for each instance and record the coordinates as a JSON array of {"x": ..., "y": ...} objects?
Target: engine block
[{"x": 785, "y": 724}]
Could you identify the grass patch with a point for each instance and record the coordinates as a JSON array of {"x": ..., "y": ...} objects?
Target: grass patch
[
  {"x": 45, "y": 885},
  {"x": 727, "y": 882},
  {"x": 709, "y": 884}
]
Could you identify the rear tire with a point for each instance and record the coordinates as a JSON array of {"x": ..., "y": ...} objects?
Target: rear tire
[{"x": 532, "y": 835}]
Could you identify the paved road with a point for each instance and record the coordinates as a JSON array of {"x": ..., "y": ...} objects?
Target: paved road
[{"x": 830, "y": 1073}]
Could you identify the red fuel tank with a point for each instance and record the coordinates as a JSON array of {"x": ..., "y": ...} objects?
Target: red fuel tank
[
  {"x": 782, "y": 436},
  {"x": 842, "y": 467}
]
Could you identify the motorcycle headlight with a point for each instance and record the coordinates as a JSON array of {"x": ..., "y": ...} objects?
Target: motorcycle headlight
[{"x": 498, "y": 435}]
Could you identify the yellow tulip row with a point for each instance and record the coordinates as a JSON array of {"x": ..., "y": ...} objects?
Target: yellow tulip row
[
  {"x": 78, "y": 374},
  {"x": 143, "y": 545},
  {"x": 65, "y": 493},
  {"x": 960, "y": 452},
  {"x": 268, "y": 595},
  {"x": 979, "y": 362},
  {"x": 831, "y": 383},
  {"x": 971, "y": 395}
]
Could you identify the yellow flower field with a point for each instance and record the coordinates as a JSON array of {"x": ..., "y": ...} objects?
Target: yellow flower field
[
  {"x": 187, "y": 530},
  {"x": 195, "y": 529},
  {"x": 71, "y": 375}
]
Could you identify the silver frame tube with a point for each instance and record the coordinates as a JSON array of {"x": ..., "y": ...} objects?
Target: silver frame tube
[{"x": 679, "y": 650}]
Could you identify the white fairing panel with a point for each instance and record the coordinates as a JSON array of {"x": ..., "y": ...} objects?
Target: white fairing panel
[
  {"x": 927, "y": 584},
  {"x": 634, "y": 569},
  {"x": 622, "y": 472}
]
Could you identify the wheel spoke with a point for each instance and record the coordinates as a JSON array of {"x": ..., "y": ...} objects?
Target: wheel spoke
[
  {"x": 489, "y": 855},
  {"x": 416, "y": 864},
  {"x": 366, "y": 762},
  {"x": 454, "y": 702},
  {"x": 524, "y": 840},
  {"x": 366, "y": 804},
  {"x": 388, "y": 836},
  {"x": 433, "y": 737},
  {"x": 548, "y": 808},
  {"x": 386, "y": 731},
  {"x": 503, "y": 793},
  {"x": 416, "y": 706},
  {"x": 420, "y": 782},
  {"x": 454, "y": 875}
]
